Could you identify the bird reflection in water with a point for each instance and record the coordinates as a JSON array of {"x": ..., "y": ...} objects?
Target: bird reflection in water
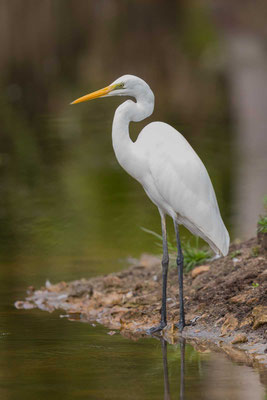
[{"x": 165, "y": 369}]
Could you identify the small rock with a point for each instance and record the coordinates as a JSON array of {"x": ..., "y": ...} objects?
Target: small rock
[
  {"x": 253, "y": 300},
  {"x": 246, "y": 321},
  {"x": 30, "y": 290},
  {"x": 230, "y": 324},
  {"x": 62, "y": 296},
  {"x": 111, "y": 280},
  {"x": 236, "y": 354},
  {"x": 199, "y": 270},
  {"x": 48, "y": 284},
  {"x": 240, "y": 338},
  {"x": 148, "y": 260},
  {"x": 260, "y": 316},
  {"x": 111, "y": 299},
  {"x": 173, "y": 328},
  {"x": 219, "y": 321},
  {"x": 19, "y": 304},
  {"x": 263, "y": 276},
  {"x": 235, "y": 260},
  {"x": 138, "y": 286},
  {"x": 26, "y": 305},
  {"x": 239, "y": 298},
  {"x": 111, "y": 333},
  {"x": 129, "y": 295}
]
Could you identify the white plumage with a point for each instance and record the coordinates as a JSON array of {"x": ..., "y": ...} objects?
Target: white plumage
[
  {"x": 179, "y": 184},
  {"x": 171, "y": 173}
]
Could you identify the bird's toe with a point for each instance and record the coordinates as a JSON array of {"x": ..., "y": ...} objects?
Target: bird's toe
[
  {"x": 156, "y": 329},
  {"x": 180, "y": 325}
]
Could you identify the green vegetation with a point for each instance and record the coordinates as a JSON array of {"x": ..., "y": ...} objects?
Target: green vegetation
[
  {"x": 193, "y": 254},
  {"x": 262, "y": 222},
  {"x": 254, "y": 284},
  {"x": 235, "y": 253},
  {"x": 255, "y": 251}
]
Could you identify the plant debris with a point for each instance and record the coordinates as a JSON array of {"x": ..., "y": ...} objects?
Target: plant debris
[{"x": 226, "y": 301}]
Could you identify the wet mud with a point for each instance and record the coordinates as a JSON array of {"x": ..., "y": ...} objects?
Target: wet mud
[{"x": 226, "y": 300}]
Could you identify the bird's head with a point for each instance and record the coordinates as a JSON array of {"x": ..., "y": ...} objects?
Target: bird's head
[{"x": 126, "y": 85}]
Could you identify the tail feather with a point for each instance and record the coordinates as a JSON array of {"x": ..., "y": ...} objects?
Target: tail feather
[{"x": 219, "y": 242}]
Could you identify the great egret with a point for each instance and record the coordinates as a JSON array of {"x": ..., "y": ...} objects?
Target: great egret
[{"x": 171, "y": 173}]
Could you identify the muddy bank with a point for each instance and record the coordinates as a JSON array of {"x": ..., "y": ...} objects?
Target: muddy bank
[{"x": 226, "y": 298}]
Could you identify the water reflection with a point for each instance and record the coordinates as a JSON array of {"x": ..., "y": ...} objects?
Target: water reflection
[
  {"x": 165, "y": 369},
  {"x": 182, "y": 367},
  {"x": 44, "y": 356}
]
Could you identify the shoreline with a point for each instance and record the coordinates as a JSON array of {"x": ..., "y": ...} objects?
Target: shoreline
[{"x": 227, "y": 298}]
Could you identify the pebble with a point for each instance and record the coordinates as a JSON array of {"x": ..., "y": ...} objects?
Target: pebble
[
  {"x": 260, "y": 316},
  {"x": 240, "y": 338},
  {"x": 229, "y": 324},
  {"x": 199, "y": 270}
]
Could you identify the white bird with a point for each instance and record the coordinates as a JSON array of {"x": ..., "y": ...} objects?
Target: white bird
[{"x": 171, "y": 173}]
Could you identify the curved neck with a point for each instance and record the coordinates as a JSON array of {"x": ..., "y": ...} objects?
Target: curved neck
[{"x": 123, "y": 145}]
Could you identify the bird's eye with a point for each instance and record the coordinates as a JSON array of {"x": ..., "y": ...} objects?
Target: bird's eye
[{"x": 120, "y": 85}]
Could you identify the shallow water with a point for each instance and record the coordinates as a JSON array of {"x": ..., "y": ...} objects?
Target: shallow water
[
  {"x": 43, "y": 355},
  {"x": 46, "y": 355}
]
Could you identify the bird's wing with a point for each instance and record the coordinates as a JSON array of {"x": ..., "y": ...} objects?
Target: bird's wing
[{"x": 183, "y": 182}]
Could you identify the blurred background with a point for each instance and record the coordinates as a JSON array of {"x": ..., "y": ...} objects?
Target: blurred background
[{"x": 67, "y": 209}]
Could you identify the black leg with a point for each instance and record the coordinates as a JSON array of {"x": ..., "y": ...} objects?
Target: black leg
[
  {"x": 165, "y": 265},
  {"x": 180, "y": 264}
]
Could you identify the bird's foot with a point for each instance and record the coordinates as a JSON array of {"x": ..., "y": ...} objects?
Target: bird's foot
[
  {"x": 155, "y": 329},
  {"x": 181, "y": 324},
  {"x": 194, "y": 320}
]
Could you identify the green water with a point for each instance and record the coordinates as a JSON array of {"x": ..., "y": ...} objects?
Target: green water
[
  {"x": 43, "y": 356},
  {"x": 68, "y": 197},
  {"x": 67, "y": 209}
]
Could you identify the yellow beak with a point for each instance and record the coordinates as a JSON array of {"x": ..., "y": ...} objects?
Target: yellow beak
[{"x": 94, "y": 95}]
